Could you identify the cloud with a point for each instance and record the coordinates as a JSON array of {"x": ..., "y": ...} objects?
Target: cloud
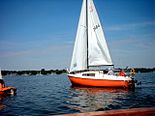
[
  {"x": 133, "y": 52},
  {"x": 47, "y": 49},
  {"x": 133, "y": 44},
  {"x": 49, "y": 56},
  {"x": 131, "y": 26}
]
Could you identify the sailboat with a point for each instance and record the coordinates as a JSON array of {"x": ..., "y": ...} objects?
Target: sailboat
[
  {"x": 91, "y": 50},
  {"x": 0, "y": 74}
]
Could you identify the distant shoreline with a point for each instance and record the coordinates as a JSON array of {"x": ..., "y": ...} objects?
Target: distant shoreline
[
  {"x": 33, "y": 72},
  {"x": 61, "y": 71}
]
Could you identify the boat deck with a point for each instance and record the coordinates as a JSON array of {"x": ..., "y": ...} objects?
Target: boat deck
[{"x": 123, "y": 112}]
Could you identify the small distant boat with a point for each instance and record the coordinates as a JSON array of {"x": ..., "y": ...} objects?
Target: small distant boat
[
  {"x": 6, "y": 90},
  {"x": 91, "y": 50}
]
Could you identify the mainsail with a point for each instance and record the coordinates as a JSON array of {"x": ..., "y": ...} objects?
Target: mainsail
[
  {"x": 79, "y": 58},
  {"x": 89, "y": 31}
]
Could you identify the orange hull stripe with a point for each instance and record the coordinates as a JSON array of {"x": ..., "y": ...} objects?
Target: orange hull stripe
[
  {"x": 98, "y": 82},
  {"x": 6, "y": 89}
]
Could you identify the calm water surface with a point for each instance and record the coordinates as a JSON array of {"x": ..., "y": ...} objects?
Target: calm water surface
[{"x": 53, "y": 94}]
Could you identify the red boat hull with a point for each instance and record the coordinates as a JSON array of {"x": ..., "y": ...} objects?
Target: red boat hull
[
  {"x": 7, "y": 91},
  {"x": 101, "y": 82}
]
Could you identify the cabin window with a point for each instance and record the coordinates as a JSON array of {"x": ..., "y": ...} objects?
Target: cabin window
[{"x": 89, "y": 74}]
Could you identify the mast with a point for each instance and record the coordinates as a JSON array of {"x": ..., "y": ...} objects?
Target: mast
[{"x": 87, "y": 32}]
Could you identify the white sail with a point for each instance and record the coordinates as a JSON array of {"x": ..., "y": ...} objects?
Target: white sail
[
  {"x": 79, "y": 57},
  {"x": 98, "y": 50},
  {"x": 0, "y": 74},
  {"x": 89, "y": 30}
]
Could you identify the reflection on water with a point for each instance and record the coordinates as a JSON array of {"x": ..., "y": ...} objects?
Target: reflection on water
[
  {"x": 1, "y": 103},
  {"x": 94, "y": 99}
]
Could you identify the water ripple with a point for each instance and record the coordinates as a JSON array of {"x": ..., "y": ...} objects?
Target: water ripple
[{"x": 53, "y": 94}]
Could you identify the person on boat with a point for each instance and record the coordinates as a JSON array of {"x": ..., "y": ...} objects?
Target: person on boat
[
  {"x": 2, "y": 84},
  {"x": 110, "y": 72},
  {"x": 122, "y": 73}
]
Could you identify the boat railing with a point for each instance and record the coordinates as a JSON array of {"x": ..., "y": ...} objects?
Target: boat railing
[{"x": 128, "y": 72}]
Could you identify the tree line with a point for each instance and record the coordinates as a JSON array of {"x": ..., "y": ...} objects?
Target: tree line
[
  {"x": 61, "y": 71},
  {"x": 33, "y": 72}
]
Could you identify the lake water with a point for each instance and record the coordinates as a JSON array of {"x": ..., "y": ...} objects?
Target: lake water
[{"x": 53, "y": 94}]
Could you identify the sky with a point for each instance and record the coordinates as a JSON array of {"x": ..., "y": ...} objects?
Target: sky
[{"x": 37, "y": 34}]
